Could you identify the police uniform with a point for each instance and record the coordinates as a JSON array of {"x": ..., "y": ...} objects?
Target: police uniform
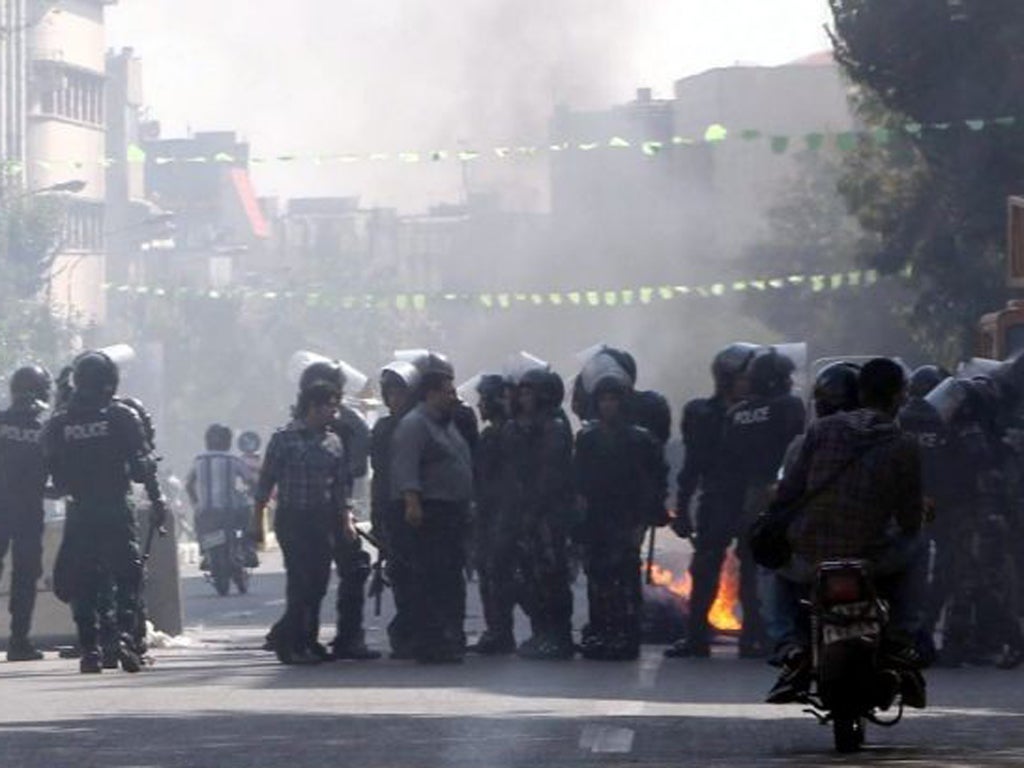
[
  {"x": 96, "y": 450},
  {"x": 532, "y": 530},
  {"x": 757, "y": 434},
  {"x": 23, "y": 475},
  {"x": 620, "y": 473}
]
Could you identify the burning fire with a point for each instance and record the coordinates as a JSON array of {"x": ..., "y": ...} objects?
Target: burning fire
[{"x": 722, "y": 615}]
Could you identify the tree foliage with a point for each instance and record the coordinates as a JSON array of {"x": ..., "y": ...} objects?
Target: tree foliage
[{"x": 945, "y": 82}]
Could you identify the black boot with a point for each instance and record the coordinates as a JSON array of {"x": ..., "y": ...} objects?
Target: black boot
[
  {"x": 91, "y": 662},
  {"x": 20, "y": 648}
]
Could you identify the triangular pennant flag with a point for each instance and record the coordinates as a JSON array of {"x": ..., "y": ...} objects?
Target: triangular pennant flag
[
  {"x": 223, "y": 157},
  {"x": 846, "y": 142},
  {"x": 836, "y": 282},
  {"x": 681, "y": 140},
  {"x": 409, "y": 157},
  {"x": 575, "y": 297},
  {"x": 401, "y": 302},
  {"x": 589, "y": 146},
  {"x": 718, "y": 289},
  {"x": 871, "y": 277},
  {"x": 739, "y": 286},
  {"x": 503, "y": 152},
  {"x": 682, "y": 290},
  {"x": 777, "y": 283},
  {"x": 882, "y": 135},
  {"x": 487, "y": 300},
  {"x": 438, "y": 155},
  {"x": 555, "y": 299},
  {"x": 815, "y": 141},
  {"x": 715, "y": 133},
  {"x": 853, "y": 278},
  {"x": 617, "y": 142},
  {"x": 702, "y": 292},
  {"x": 975, "y": 125},
  {"x": 914, "y": 129},
  {"x": 780, "y": 144},
  {"x": 651, "y": 148},
  {"x": 419, "y": 301},
  {"x": 666, "y": 292},
  {"x": 758, "y": 284},
  {"x": 136, "y": 154},
  {"x": 593, "y": 298},
  {"x": 817, "y": 283},
  {"x": 1005, "y": 122},
  {"x": 645, "y": 295},
  {"x": 611, "y": 298},
  {"x": 627, "y": 297},
  {"x": 750, "y": 134},
  {"x": 504, "y": 300},
  {"x": 466, "y": 156},
  {"x": 537, "y": 299}
]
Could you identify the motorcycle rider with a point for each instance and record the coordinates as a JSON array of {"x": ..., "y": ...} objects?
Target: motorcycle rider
[
  {"x": 536, "y": 495},
  {"x": 218, "y": 485},
  {"x": 869, "y": 477},
  {"x": 306, "y": 464},
  {"x": 23, "y": 475},
  {"x": 495, "y": 547},
  {"x": 705, "y": 469},
  {"x": 620, "y": 480},
  {"x": 398, "y": 381},
  {"x": 97, "y": 448}
]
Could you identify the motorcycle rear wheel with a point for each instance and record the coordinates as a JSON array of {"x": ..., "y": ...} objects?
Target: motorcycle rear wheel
[{"x": 848, "y": 733}]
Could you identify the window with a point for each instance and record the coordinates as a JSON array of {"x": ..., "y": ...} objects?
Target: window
[
  {"x": 83, "y": 227},
  {"x": 63, "y": 91}
]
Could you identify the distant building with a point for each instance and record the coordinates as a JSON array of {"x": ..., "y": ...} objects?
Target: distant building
[
  {"x": 220, "y": 231},
  {"x": 667, "y": 206},
  {"x": 66, "y": 139}
]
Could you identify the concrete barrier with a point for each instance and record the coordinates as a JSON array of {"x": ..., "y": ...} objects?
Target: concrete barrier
[{"x": 52, "y": 624}]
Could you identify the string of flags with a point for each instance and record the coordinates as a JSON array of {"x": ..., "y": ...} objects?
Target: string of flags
[
  {"x": 419, "y": 301},
  {"x": 716, "y": 133}
]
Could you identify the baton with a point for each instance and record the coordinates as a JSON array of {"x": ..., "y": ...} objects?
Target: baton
[{"x": 649, "y": 570}]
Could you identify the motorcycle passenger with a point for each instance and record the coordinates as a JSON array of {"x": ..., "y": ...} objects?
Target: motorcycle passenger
[
  {"x": 870, "y": 506},
  {"x": 97, "y": 448},
  {"x": 705, "y": 469},
  {"x": 217, "y": 486},
  {"x": 306, "y": 464},
  {"x": 23, "y": 475}
]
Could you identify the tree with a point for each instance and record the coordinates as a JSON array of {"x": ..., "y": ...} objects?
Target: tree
[
  {"x": 810, "y": 232},
  {"x": 29, "y": 330},
  {"x": 943, "y": 85}
]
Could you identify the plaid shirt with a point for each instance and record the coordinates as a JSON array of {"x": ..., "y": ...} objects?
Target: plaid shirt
[
  {"x": 308, "y": 469},
  {"x": 855, "y": 515}
]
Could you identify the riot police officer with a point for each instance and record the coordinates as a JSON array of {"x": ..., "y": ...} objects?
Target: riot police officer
[
  {"x": 23, "y": 475},
  {"x": 497, "y": 580},
  {"x": 533, "y": 525},
  {"x": 97, "y": 448},
  {"x": 398, "y": 381},
  {"x": 620, "y": 481},
  {"x": 758, "y": 430},
  {"x": 705, "y": 468}
]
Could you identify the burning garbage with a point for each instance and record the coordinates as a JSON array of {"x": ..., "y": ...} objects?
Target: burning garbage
[{"x": 667, "y": 602}]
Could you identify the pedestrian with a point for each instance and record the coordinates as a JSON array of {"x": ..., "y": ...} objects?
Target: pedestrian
[
  {"x": 305, "y": 462},
  {"x": 23, "y": 475},
  {"x": 96, "y": 449},
  {"x": 432, "y": 476}
]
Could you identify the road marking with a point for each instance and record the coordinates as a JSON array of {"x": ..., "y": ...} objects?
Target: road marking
[{"x": 604, "y": 739}]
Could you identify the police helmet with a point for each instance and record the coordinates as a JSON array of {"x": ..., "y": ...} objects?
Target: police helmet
[
  {"x": 435, "y": 364},
  {"x": 399, "y": 373},
  {"x": 611, "y": 385},
  {"x": 548, "y": 386},
  {"x": 625, "y": 360},
  {"x": 730, "y": 362},
  {"x": 322, "y": 372},
  {"x": 836, "y": 389},
  {"x": 770, "y": 373},
  {"x": 95, "y": 375},
  {"x": 32, "y": 383},
  {"x": 925, "y": 379},
  {"x": 491, "y": 386},
  {"x": 249, "y": 442}
]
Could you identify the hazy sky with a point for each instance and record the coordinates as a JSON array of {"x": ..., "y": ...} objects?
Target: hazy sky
[{"x": 336, "y": 76}]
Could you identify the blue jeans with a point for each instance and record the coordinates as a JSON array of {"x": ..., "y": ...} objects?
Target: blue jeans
[{"x": 899, "y": 573}]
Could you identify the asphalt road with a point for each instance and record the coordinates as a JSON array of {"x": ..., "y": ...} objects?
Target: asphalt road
[{"x": 219, "y": 702}]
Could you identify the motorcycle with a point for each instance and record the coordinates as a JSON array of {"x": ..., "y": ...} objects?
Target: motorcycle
[
  {"x": 854, "y": 679},
  {"x": 227, "y": 555}
]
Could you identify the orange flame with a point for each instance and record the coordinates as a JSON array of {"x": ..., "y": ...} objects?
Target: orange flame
[{"x": 722, "y": 615}]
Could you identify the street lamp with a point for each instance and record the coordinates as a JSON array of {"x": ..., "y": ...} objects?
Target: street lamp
[{"x": 71, "y": 187}]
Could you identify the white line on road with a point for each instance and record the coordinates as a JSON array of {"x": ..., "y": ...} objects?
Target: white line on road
[{"x": 603, "y": 739}]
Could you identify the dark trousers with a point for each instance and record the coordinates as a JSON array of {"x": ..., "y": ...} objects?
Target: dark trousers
[
  {"x": 353, "y": 566},
  {"x": 547, "y": 595},
  {"x": 108, "y": 570},
  {"x": 614, "y": 589},
  {"x": 498, "y": 585},
  {"x": 21, "y": 533},
  {"x": 402, "y": 629},
  {"x": 307, "y": 540},
  {"x": 716, "y": 532},
  {"x": 437, "y": 587}
]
